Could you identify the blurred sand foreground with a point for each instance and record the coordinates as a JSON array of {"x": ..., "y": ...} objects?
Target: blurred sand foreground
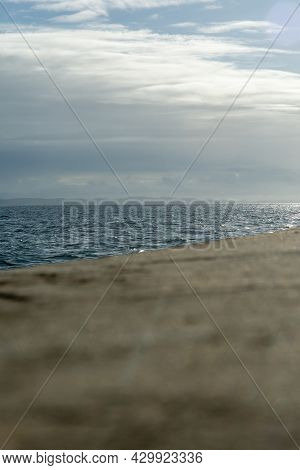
[{"x": 151, "y": 369}]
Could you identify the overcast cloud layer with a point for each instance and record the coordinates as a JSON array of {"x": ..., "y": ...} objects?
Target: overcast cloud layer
[{"x": 150, "y": 88}]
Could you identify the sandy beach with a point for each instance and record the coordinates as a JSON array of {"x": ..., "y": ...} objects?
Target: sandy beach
[{"x": 173, "y": 349}]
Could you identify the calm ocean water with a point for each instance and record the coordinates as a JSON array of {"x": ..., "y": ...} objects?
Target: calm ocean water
[{"x": 32, "y": 235}]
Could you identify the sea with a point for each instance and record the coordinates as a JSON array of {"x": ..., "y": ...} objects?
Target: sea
[{"x": 33, "y": 235}]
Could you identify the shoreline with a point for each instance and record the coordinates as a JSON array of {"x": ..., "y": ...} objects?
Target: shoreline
[
  {"x": 133, "y": 253},
  {"x": 150, "y": 369}
]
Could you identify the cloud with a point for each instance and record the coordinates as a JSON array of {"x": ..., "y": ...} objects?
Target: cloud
[
  {"x": 229, "y": 27},
  {"x": 116, "y": 65},
  {"x": 149, "y": 99},
  {"x": 120, "y": 65},
  {"x": 184, "y": 25},
  {"x": 241, "y": 26},
  {"x": 80, "y": 17},
  {"x": 77, "y": 10}
]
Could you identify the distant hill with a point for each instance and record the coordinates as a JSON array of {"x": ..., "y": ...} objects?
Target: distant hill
[
  {"x": 58, "y": 201},
  {"x": 29, "y": 202}
]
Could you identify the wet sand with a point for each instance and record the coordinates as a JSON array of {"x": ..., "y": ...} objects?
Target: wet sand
[{"x": 201, "y": 354}]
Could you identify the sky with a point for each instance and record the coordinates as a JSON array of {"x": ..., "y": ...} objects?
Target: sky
[{"x": 146, "y": 82}]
